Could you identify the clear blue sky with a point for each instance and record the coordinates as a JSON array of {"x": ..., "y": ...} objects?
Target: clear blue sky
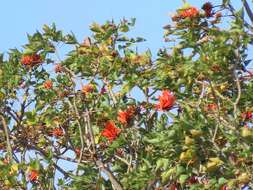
[{"x": 19, "y": 17}]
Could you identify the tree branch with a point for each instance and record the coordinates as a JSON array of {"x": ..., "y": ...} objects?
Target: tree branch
[
  {"x": 6, "y": 131},
  {"x": 43, "y": 153},
  {"x": 116, "y": 185},
  {"x": 248, "y": 10}
]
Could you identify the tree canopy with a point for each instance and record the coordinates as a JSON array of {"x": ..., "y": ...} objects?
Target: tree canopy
[{"x": 180, "y": 118}]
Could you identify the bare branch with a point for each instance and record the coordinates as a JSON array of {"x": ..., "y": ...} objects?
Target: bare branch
[
  {"x": 248, "y": 10},
  {"x": 74, "y": 108},
  {"x": 115, "y": 183},
  {"x": 110, "y": 92},
  {"x": 44, "y": 154},
  {"x": 6, "y": 131}
]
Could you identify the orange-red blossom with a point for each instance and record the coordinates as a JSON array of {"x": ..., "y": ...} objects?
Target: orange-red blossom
[
  {"x": 212, "y": 107},
  {"x": 191, "y": 12},
  {"x": 110, "y": 131},
  {"x": 33, "y": 175},
  {"x": 247, "y": 115},
  {"x": 78, "y": 151},
  {"x": 31, "y": 59},
  {"x": 166, "y": 100},
  {"x": 48, "y": 84},
  {"x": 57, "y": 132},
  {"x": 58, "y": 68},
  {"x": 87, "y": 88},
  {"x": 207, "y": 7},
  {"x": 125, "y": 116}
]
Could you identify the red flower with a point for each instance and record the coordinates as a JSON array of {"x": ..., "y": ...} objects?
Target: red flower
[
  {"x": 175, "y": 18},
  {"x": 192, "y": 180},
  {"x": 166, "y": 100},
  {"x": 58, "y": 68},
  {"x": 125, "y": 116},
  {"x": 120, "y": 152},
  {"x": 103, "y": 90},
  {"x": 247, "y": 115},
  {"x": 87, "y": 88},
  {"x": 173, "y": 187},
  {"x": 191, "y": 12},
  {"x": 48, "y": 84},
  {"x": 212, "y": 107},
  {"x": 110, "y": 131},
  {"x": 224, "y": 187},
  {"x": 33, "y": 176},
  {"x": 2, "y": 147},
  {"x": 31, "y": 59},
  {"x": 78, "y": 151},
  {"x": 6, "y": 161},
  {"x": 57, "y": 132},
  {"x": 207, "y": 7}
]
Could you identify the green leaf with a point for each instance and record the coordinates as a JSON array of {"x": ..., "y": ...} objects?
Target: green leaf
[
  {"x": 29, "y": 51},
  {"x": 240, "y": 13},
  {"x": 162, "y": 163},
  {"x": 132, "y": 22},
  {"x": 186, "y": 5},
  {"x": 180, "y": 170},
  {"x": 166, "y": 175},
  {"x": 222, "y": 181},
  {"x": 225, "y": 2},
  {"x": 1, "y": 57},
  {"x": 183, "y": 178}
]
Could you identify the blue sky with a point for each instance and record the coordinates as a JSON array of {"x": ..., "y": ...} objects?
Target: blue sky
[{"x": 21, "y": 17}]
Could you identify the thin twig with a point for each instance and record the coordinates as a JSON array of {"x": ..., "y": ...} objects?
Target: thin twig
[
  {"x": 74, "y": 108},
  {"x": 110, "y": 92},
  {"x": 203, "y": 90},
  {"x": 116, "y": 185},
  {"x": 248, "y": 10},
  {"x": 123, "y": 160},
  {"x": 238, "y": 95},
  {"x": 238, "y": 85},
  {"x": 6, "y": 131},
  {"x": 45, "y": 154},
  {"x": 219, "y": 115},
  {"x": 90, "y": 131}
]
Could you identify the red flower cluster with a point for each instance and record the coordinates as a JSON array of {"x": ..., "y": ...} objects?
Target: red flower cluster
[
  {"x": 87, "y": 88},
  {"x": 247, "y": 115},
  {"x": 58, "y": 68},
  {"x": 6, "y": 161},
  {"x": 166, "y": 100},
  {"x": 191, "y": 12},
  {"x": 78, "y": 151},
  {"x": 119, "y": 152},
  {"x": 31, "y": 59},
  {"x": 224, "y": 187},
  {"x": 174, "y": 186},
  {"x": 208, "y": 7},
  {"x": 48, "y": 84},
  {"x": 33, "y": 176},
  {"x": 192, "y": 180},
  {"x": 212, "y": 107},
  {"x": 110, "y": 131},
  {"x": 57, "y": 132},
  {"x": 125, "y": 116},
  {"x": 2, "y": 147},
  {"x": 103, "y": 90}
]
